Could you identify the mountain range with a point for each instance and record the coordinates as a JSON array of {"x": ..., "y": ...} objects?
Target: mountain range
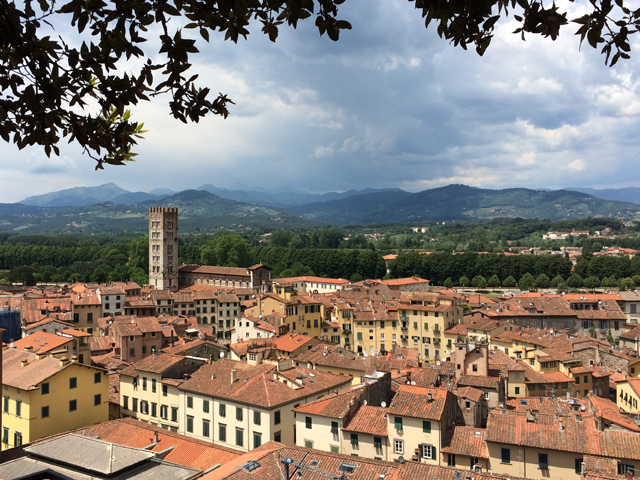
[{"x": 111, "y": 209}]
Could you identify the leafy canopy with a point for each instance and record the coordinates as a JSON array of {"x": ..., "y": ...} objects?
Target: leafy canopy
[{"x": 48, "y": 86}]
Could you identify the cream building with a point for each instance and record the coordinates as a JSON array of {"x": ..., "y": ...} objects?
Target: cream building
[
  {"x": 243, "y": 406},
  {"x": 149, "y": 388}
]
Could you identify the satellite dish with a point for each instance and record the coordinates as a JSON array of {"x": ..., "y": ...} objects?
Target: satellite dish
[
  {"x": 221, "y": 354},
  {"x": 383, "y": 404},
  {"x": 365, "y": 402},
  {"x": 413, "y": 383},
  {"x": 401, "y": 459},
  {"x": 438, "y": 363}
]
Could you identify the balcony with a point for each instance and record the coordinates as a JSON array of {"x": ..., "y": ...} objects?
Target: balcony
[
  {"x": 346, "y": 329},
  {"x": 404, "y": 327},
  {"x": 404, "y": 338}
]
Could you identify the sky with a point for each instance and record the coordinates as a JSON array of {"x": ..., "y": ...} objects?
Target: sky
[{"x": 388, "y": 105}]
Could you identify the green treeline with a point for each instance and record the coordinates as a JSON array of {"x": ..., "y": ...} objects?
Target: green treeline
[{"x": 440, "y": 266}]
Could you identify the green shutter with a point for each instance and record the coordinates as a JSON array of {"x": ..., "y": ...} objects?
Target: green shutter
[
  {"x": 426, "y": 426},
  {"x": 398, "y": 421},
  {"x": 433, "y": 453}
]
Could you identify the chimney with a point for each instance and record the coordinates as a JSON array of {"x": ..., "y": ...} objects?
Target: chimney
[
  {"x": 63, "y": 361},
  {"x": 429, "y": 397},
  {"x": 233, "y": 376},
  {"x": 28, "y": 348},
  {"x": 40, "y": 356},
  {"x": 23, "y": 363},
  {"x": 560, "y": 425},
  {"x": 155, "y": 437}
]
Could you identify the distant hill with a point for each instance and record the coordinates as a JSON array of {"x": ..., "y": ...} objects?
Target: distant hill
[
  {"x": 629, "y": 194},
  {"x": 285, "y": 197},
  {"x": 460, "y": 202},
  {"x": 77, "y": 196},
  {"x": 200, "y": 211}
]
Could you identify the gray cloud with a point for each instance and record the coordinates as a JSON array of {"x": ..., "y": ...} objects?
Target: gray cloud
[{"x": 390, "y": 104}]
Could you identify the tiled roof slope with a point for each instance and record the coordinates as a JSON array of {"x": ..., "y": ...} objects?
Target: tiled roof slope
[
  {"x": 256, "y": 385},
  {"x": 334, "y": 405},
  {"x": 413, "y": 401},
  {"x": 468, "y": 441},
  {"x": 368, "y": 419},
  {"x": 186, "y": 450}
]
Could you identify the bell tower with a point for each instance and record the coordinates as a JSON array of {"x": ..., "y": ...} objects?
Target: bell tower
[{"x": 163, "y": 248}]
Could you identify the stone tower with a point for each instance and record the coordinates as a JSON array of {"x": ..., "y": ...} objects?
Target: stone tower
[{"x": 163, "y": 248}]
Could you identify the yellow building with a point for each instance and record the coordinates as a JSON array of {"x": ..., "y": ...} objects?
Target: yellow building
[
  {"x": 423, "y": 318},
  {"x": 43, "y": 396},
  {"x": 86, "y": 309},
  {"x": 628, "y": 395}
]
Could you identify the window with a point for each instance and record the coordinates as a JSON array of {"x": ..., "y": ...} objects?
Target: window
[
  {"x": 398, "y": 422},
  {"x": 97, "y": 400},
  {"x": 624, "y": 468},
  {"x": 239, "y": 437},
  {"x": 5, "y": 435},
  {"x": 277, "y": 437},
  {"x": 276, "y": 419},
  {"x": 517, "y": 390},
  {"x": 257, "y": 440},
  {"x": 307, "y": 422},
  {"x": 429, "y": 451},
  {"x": 5, "y": 404},
  {"x": 222, "y": 432},
  {"x": 44, "y": 389},
  {"x": 222, "y": 410},
  {"x": 125, "y": 402},
  {"x": 189, "y": 424},
  {"x": 585, "y": 379},
  {"x": 144, "y": 383},
  {"x": 174, "y": 414},
  {"x": 334, "y": 449},
  {"x": 164, "y": 412},
  {"x": 132, "y": 352},
  {"x": 377, "y": 442},
  {"x": 189, "y": 402},
  {"x": 165, "y": 390},
  {"x": 154, "y": 409},
  {"x": 17, "y": 439},
  {"x": 308, "y": 443},
  {"x": 398, "y": 446},
  {"x": 144, "y": 407},
  {"x": 256, "y": 418},
  {"x": 45, "y": 412},
  {"x": 505, "y": 455},
  {"x": 73, "y": 382},
  {"x": 426, "y": 426},
  {"x": 205, "y": 406},
  {"x": 134, "y": 404},
  {"x": 578, "y": 466},
  {"x": 18, "y": 407},
  {"x": 153, "y": 385},
  {"x": 97, "y": 377},
  {"x": 239, "y": 414},
  {"x": 451, "y": 461},
  {"x": 334, "y": 428},
  {"x": 73, "y": 405},
  {"x": 577, "y": 380},
  {"x": 543, "y": 461},
  {"x": 205, "y": 428}
]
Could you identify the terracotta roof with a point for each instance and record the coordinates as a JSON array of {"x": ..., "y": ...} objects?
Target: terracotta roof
[
  {"x": 256, "y": 385},
  {"x": 42, "y": 342},
  {"x": 467, "y": 441},
  {"x": 101, "y": 343},
  {"x": 156, "y": 363},
  {"x": 478, "y": 381},
  {"x": 336, "y": 281},
  {"x": 183, "y": 450},
  {"x": 412, "y": 401},
  {"x": 368, "y": 419},
  {"x": 290, "y": 342},
  {"x": 28, "y": 376},
  {"x": 609, "y": 411},
  {"x": 185, "y": 347},
  {"x": 471, "y": 393},
  {"x": 405, "y": 281},
  {"x": 213, "y": 270},
  {"x": 46, "y": 320},
  {"x": 334, "y": 405}
]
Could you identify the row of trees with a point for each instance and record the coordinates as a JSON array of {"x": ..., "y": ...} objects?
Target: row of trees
[{"x": 529, "y": 283}]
